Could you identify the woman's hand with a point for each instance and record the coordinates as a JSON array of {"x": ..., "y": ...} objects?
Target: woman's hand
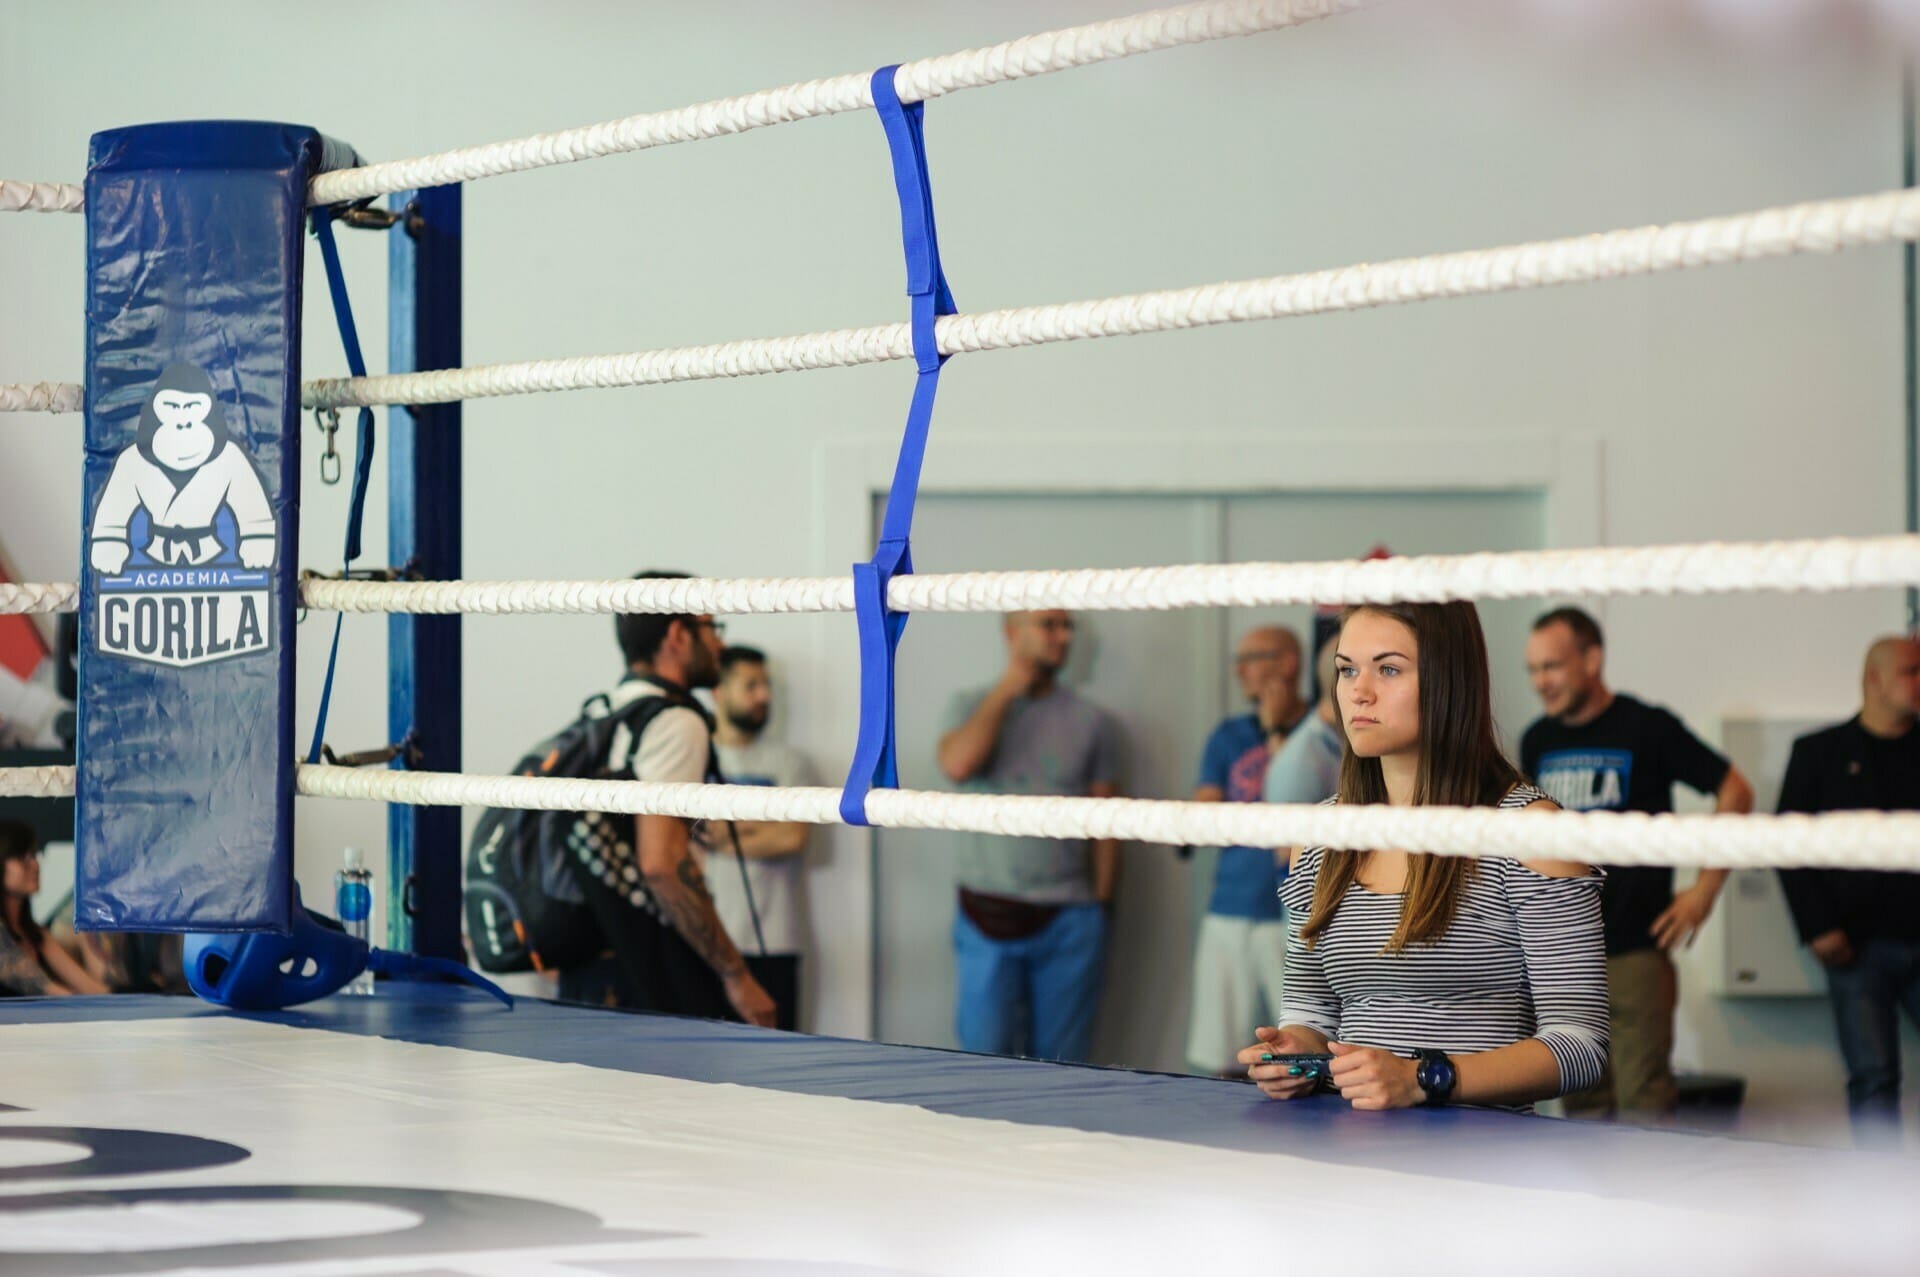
[
  {"x": 1274, "y": 1080},
  {"x": 1370, "y": 1078}
]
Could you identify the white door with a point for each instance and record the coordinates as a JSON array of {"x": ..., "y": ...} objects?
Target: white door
[{"x": 1157, "y": 672}]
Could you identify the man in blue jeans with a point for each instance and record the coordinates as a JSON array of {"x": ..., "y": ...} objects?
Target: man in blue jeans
[
  {"x": 1864, "y": 925},
  {"x": 1029, "y": 934}
]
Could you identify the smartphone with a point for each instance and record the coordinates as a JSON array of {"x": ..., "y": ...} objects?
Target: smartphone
[{"x": 1310, "y": 1065}]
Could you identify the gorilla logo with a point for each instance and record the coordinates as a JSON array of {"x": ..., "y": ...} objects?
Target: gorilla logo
[{"x": 182, "y": 471}]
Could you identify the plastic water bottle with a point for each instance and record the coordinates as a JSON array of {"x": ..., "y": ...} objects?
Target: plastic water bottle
[{"x": 353, "y": 892}]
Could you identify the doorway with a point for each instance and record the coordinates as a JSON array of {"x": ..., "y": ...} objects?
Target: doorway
[{"x": 1166, "y": 677}]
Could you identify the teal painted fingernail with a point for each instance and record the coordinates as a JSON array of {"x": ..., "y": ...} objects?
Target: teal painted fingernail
[
  {"x": 1293, "y": 1070},
  {"x": 1266, "y": 1059}
]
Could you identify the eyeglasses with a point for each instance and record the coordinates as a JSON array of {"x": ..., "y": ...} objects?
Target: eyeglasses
[
  {"x": 719, "y": 628},
  {"x": 1247, "y": 658}
]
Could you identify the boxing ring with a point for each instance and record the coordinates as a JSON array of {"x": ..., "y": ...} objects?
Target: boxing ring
[{"x": 428, "y": 1130}]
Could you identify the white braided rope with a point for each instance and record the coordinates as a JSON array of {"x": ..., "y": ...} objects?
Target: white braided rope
[
  {"x": 1852, "y": 839},
  {"x": 58, "y": 596},
  {"x": 1866, "y": 840},
  {"x": 1812, "y": 566},
  {"x": 1821, "y": 227},
  {"x": 1816, "y": 566},
  {"x": 40, "y": 197},
  {"x": 36, "y": 782},
  {"x": 916, "y": 82},
  {"x": 43, "y": 396}
]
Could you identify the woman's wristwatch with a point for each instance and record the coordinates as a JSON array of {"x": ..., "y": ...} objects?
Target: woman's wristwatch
[{"x": 1435, "y": 1075}]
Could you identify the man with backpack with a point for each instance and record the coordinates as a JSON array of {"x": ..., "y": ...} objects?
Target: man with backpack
[{"x": 643, "y": 880}]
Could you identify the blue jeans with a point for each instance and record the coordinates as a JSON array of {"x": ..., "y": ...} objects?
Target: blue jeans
[
  {"x": 1885, "y": 974},
  {"x": 1048, "y": 983}
]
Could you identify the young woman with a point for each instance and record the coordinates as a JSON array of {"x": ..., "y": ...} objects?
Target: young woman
[
  {"x": 32, "y": 963},
  {"x": 1432, "y": 979}
]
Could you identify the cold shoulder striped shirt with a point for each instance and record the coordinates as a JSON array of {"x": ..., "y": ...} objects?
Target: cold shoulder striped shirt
[{"x": 1524, "y": 958}]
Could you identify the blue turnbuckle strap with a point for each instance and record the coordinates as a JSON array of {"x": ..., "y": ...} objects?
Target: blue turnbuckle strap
[
  {"x": 874, "y": 759},
  {"x": 363, "y": 456}
]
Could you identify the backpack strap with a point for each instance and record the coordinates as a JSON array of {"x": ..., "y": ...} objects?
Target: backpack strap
[
  {"x": 639, "y": 712},
  {"x": 642, "y": 710}
]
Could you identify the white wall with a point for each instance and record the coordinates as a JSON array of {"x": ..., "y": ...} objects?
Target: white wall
[{"x": 1733, "y": 403}]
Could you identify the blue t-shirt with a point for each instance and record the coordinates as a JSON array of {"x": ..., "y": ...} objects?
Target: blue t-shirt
[{"x": 1235, "y": 763}]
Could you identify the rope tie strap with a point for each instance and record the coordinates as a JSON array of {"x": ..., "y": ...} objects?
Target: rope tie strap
[
  {"x": 880, "y": 626},
  {"x": 363, "y": 456}
]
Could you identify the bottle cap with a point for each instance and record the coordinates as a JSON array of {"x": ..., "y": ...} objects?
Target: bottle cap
[{"x": 353, "y": 858}]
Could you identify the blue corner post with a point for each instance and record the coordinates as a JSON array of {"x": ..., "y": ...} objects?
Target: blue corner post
[{"x": 423, "y": 535}]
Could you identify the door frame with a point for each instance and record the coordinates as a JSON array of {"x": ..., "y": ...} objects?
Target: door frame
[{"x": 1566, "y": 470}]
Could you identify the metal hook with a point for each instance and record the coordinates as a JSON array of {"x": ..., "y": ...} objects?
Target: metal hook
[
  {"x": 362, "y": 215},
  {"x": 328, "y": 419}
]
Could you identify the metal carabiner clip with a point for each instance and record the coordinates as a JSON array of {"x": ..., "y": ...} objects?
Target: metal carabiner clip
[{"x": 328, "y": 419}]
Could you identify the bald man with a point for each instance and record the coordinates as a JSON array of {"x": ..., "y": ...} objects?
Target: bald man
[
  {"x": 1242, "y": 942},
  {"x": 1864, "y": 925}
]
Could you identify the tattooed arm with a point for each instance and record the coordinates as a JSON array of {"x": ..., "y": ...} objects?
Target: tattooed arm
[{"x": 673, "y": 875}]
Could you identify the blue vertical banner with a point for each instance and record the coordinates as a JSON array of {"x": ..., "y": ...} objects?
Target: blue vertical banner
[{"x": 184, "y": 816}]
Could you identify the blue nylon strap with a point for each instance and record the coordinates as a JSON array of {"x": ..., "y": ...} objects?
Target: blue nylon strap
[
  {"x": 874, "y": 760},
  {"x": 363, "y": 456}
]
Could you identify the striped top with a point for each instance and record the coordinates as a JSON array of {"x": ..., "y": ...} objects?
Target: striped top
[{"x": 1523, "y": 958}]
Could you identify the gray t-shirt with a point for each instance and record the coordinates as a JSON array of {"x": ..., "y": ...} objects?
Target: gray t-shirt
[
  {"x": 1057, "y": 744},
  {"x": 777, "y": 884},
  {"x": 1307, "y": 767}
]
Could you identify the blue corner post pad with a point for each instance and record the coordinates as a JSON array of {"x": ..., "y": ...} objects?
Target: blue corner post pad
[
  {"x": 874, "y": 761},
  {"x": 191, "y": 501},
  {"x": 363, "y": 451}
]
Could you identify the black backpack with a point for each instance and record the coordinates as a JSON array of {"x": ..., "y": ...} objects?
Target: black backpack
[{"x": 525, "y": 907}]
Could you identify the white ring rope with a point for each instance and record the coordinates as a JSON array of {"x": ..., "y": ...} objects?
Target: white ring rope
[
  {"x": 40, "y": 197},
  {"x": 916, "y": 81},
  {"x": 1875, "y": 840},
  {"x": 43, "y": 396},
  {"x": 36, "y": 782},
  {"x": 1821, "y": 227},
  {"x": 31, "y": 597},
  {"x": 1813, "y": 566}
]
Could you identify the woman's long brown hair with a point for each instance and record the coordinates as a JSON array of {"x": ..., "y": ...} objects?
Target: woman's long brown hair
[
  {"x": 17, "y": 838},
  {"x": 1461, "y": 765}
]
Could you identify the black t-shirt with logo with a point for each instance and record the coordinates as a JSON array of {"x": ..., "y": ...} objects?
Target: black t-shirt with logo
[{"x": 1626, "y": 759}]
